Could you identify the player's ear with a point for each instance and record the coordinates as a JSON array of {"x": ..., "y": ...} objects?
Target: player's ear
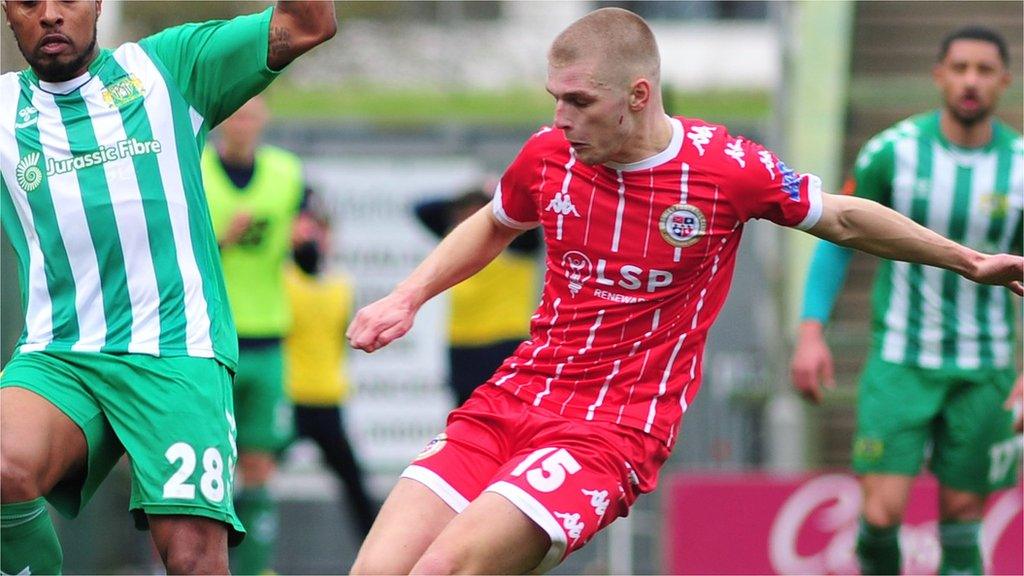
[{"x": 640, "y": 94}]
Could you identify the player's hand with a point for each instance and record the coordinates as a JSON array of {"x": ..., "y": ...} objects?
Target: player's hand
[
  {"x": 812, "y": 363},
  {"x": 1000, "y": 270},
  {"x": 381, "y": 323},
  {"x": 237, "y": 228},
  {"x": 1015, "y": 403}
]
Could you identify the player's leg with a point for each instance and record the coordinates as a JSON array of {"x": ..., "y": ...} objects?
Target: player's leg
[
  {"x": 492, "y": 536},
  {"x": 174, "y": 416},
  {"x": 975, "y": 454},
  {"x": 408, "y": 522},
  {"x": 39, "y": 445},
  {"x": 568, "y": 481},
  {"x": 449, "y": 473},
  {"x": 960, "y": 515},
  {"x": 190, "y": 544},
  {"x": 264, "y": 428},
  {"x": 896, "y": 406},
  {"x": 54, "y": 443},
  {"x": 885, "y": 499}
]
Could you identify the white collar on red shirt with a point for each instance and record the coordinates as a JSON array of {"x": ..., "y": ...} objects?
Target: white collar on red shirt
[{"x": 670, "y": 152}]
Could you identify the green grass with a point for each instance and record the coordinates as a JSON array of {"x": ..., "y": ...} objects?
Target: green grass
[{"x": 510, "y": 107}]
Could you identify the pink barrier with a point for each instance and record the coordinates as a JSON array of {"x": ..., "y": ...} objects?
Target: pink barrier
[{"x": 807, "y": 524}]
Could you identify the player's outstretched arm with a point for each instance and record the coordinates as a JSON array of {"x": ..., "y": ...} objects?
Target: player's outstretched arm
[
  {"x": 467, "y": 249},
  {"x": 873, "y": 228},
  {"x": 297, "y": 27}
]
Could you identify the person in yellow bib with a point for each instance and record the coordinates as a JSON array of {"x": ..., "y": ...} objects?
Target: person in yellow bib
[
  {"x": 316, "y": 378},
  {"x": 255, "y": 192},
  {"x": 490, "y": 311}
]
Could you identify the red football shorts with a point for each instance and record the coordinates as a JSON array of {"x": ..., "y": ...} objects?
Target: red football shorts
[{"x": 571, "y": 477}]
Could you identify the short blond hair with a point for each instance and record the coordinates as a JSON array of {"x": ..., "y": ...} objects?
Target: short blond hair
[{"x": 619, "y": 39}]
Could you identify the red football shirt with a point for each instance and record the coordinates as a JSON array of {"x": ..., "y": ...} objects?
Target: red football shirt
[{"x": 639, "y": 260}]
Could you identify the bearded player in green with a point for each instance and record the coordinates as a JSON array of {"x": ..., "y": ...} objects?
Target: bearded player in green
[
  {"x": 941, "y": 360},
  {"x": 128, "y": 345}
]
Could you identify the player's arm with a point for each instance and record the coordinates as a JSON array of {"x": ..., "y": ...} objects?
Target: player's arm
[
  {"x": 870, "y": 227},
  {"x": 297, "y": 27},
  {"x": 466, "y": 250},
  {"x": 812, "y": 363}
]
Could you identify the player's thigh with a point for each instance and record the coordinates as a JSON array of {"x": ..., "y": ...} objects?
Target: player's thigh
[
  {"x": 975, "y": 447},
  {"x": 262, "y": 413},
  {"x": 885, "y": 497},
  {"x": 174, "y": 416},
  {"x": 492, "y": 536},
  {"x": 409, "y": 521},
  {"x": 896, "y": 407},
  {"x": 53, "y": 436}
]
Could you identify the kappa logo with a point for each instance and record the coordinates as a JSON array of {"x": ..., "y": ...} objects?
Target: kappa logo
[
  {"x": 598, "y": 499},
  {"x": 578, "y": 269},
  {"x": 700, "y": 136},
  {"x": 28, "y": 173},
  {"x": 734, "y": 150},
  {"x": 682, "y": 225},
  {"x": 572, "y": 525},
  {"x": 562, "y": 205},
  {"x": 768, "y": 162},
  {"x": 29, "y": 116}
]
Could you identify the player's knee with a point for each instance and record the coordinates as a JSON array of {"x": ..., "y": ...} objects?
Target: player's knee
[
  {"x": 20, "y": 477},
  {"x": 182, "y": 559},
  {"x": 882, "y": 512},
  {"x": 961, "y": 507}
]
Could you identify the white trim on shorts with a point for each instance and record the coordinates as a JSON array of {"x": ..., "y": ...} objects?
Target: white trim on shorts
[
  {"x": 438, "y": 486},
  {"x": 541, "y": 516}
]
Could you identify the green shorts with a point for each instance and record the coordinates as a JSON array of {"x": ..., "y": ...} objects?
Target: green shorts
[
  {"x": 173, "y": 416},
  {"x": 263, "y": 414},
  {"x": 902, "y": 411}
]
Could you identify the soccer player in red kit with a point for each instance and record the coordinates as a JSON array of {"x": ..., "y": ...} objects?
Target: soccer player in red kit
[{"x": 642, "y": 214}]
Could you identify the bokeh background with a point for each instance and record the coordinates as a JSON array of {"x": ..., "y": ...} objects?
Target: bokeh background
[{"x": 420, "y": 99}]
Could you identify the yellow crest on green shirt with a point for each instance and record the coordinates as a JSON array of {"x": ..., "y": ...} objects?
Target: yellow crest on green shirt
[{"x": 123, "y": 91}]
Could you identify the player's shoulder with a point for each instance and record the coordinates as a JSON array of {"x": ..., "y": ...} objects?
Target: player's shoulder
[
  {"x": 1007, "y": 137},
  {"x": 881, "y": 145}
]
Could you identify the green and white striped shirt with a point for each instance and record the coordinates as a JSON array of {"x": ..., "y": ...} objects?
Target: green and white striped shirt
[
  {"x": 102, "y": 194},
  {"x": 927, "y": 316}
]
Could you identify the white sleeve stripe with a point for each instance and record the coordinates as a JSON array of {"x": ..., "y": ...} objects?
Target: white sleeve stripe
[
  {"x": 501, "y": 216},
  {"x": 438, "y": 486},
  {"x": 536, "y": 511},
  {"x": 814, "y": 199}
]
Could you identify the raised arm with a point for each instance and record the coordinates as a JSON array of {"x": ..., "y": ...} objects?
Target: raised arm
[
  {"x": 875, "y": 229},
  {"x": 297, "y": 27},
  {"x": 469, "y": 247}
]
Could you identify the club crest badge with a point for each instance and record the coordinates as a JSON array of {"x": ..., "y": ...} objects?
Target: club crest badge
[
  {"x": 682, "y": 225},
  {"x": 433, "y": 447}
]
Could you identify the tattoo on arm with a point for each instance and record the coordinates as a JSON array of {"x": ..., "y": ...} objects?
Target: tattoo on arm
[{"x": 280, "y": 49}]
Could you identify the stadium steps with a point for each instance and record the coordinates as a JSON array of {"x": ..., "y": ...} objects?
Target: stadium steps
[{"x": 893, "y": 49}]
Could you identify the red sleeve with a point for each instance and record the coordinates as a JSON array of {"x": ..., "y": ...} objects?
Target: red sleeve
[
  {"x": 515, "y": 203},
  {"x": 762, "y": 186}
]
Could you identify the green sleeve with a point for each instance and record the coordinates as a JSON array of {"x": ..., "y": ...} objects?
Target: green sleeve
[
  {"x": 217, "y": 65},
  {"x": 874, "y": 170}
]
